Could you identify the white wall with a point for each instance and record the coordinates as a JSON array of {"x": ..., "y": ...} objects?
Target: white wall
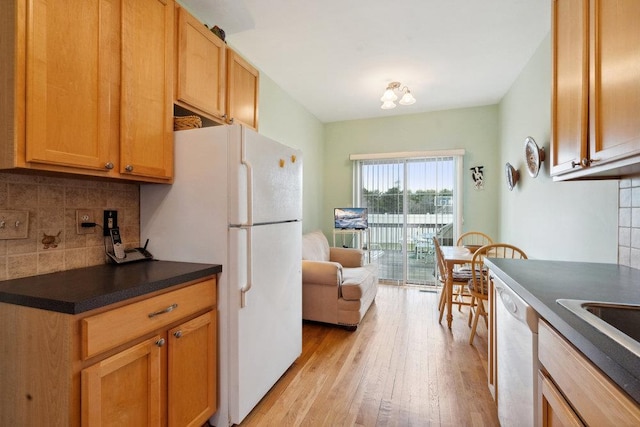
[{"x": 574, "y": 221}]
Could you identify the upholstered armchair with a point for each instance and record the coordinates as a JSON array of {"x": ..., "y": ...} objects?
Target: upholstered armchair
[{"x": 337, "y": 286}]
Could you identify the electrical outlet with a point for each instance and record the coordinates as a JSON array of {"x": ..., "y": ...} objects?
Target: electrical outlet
[
  {"x": 110, "y": 221},
  {"x": 84, "y": 215}
]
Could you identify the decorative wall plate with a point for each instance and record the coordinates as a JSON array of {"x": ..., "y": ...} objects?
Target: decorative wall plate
[
  {"x": 534, "y": 155},
  {"x": 512, "y": 175}
]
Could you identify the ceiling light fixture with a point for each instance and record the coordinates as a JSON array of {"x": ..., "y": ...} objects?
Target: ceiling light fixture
[{"x": 389, "y": 97}]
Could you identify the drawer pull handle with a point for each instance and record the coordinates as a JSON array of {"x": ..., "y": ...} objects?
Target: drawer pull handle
[
  {"x": 177, "y": 334},
  {"x": 166, "y": 310},
  {"x": 160, "y": 342}
]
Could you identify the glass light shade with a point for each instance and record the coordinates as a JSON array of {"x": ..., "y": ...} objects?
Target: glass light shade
[
  {"x": 407, "y": 99},
  {"x": 388, "y": 95},
  {"x": 388, "y": 105}
]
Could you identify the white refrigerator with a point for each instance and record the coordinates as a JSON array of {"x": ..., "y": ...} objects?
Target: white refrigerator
[{"x": 237, "y": 201}]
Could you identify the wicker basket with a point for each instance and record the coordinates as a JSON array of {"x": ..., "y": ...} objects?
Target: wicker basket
[{"x": 187, "y": 122}]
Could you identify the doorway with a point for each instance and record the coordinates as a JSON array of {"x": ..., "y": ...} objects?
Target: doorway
[{"x": 409, "y": 200}]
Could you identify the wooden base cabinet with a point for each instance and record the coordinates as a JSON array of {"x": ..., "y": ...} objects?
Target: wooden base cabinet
[
  {"x": 87, "y": 88},
  {"x": 573, "y": 392},
  {"x": 151, "y": 361},
  {"x": 124, "y": 389}
]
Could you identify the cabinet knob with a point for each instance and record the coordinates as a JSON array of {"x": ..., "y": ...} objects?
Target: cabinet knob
[
  {"x": 160, "y": 342},
  {"x": 224, "y": 116},
  {"x": 108, "y": 165},
  {"x": 584, "y": 163},
  {"x": 128, "y": 168},
  {"x": 177, "y": 334},
  {"x": 231, "y": 121}
]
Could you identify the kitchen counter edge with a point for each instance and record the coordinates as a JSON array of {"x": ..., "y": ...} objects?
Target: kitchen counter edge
[
  {"x": 540, "y": 283},
  {"x": 83, "y": 289}
]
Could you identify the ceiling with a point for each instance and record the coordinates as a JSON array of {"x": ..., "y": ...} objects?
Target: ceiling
[{"x": 336, "y": 57}]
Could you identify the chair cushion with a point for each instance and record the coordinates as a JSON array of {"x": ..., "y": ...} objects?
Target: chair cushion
[
  {"x": 356, "y": 281},
  {"x": 315, "y": 247},
  {"x": 473, "y": 289}
]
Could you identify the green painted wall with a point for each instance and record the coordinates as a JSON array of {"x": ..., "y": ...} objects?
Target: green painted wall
[
  {"x": 285, "y": 120},
  {"x": 549, "y": 220},
  {"x": 473, "y": 129},
  {"x": 574, "y": 221}
]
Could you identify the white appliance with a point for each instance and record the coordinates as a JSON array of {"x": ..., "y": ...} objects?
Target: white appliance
[
  {"x": 517, "y": 358},
  {"x": 237, "y": 201}
]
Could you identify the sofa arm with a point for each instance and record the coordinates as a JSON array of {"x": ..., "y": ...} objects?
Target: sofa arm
[
  {"x": 347, "y": 257},
  {"x": 321, "y": 272}
]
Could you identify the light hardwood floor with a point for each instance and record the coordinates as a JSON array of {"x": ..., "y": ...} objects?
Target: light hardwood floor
[{"x": 399, "y": 368}]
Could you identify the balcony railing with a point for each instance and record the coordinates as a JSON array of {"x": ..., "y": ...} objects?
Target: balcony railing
[{"x": 391, "y": 242}]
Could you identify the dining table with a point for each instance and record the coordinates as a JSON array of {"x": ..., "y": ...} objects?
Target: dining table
[{"x": 452, "y": 256}]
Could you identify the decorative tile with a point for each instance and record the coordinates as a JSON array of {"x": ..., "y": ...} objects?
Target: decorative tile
[
  {"x": 624, "y": 254},
  {"x": 625, "y": 198},
  {"x": 22, "y": 266},
  {"x": 624, "y": 236},
  {"x": 52, "y": 203}
]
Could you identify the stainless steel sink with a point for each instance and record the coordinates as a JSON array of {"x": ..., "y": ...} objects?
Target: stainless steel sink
[{"x": 620, "y": 322}]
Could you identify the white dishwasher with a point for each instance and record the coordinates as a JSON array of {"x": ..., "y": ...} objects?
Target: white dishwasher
[{"x": 517, "y": 358}]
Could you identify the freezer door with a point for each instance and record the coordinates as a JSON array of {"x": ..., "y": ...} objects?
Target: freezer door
[
  {"x": 265, "y": 179},
  {"x": 265, "y": 335}
]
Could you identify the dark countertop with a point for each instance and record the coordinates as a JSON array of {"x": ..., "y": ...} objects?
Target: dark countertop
[
  {"x": 84, "y": 289},
  {"x": 541, "y": 283}
]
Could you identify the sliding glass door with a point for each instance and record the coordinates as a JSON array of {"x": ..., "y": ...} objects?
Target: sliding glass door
[{"x": 409, "y": 201}]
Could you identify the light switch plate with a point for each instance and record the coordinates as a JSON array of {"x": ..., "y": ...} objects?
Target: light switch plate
[{"x": 14, "y": 224}]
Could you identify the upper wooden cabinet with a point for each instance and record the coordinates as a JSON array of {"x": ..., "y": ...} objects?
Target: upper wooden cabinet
[
  {"x": 242, "y": 90},
  {"x": 595, "y": 89},
  {"x": 89, "y": 91},
  {"x": 212, "y": 80},
  {"x": 201, "y": 68}
]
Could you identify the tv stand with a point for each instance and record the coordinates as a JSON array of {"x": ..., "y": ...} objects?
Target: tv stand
[{"x": 362, "y": 239}]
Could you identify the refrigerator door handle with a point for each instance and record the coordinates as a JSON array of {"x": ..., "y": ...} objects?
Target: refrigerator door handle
[
  {"x": 247, "y": 164},
  {"x": 243, "y": 159},
  {"x": 247, "y": 287}
]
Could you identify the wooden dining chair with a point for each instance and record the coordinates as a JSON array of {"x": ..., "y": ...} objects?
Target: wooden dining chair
[
  {"x": 460, "y": 282},
  {"x": 479, "y": 285},
  {"x": 473, "y": 238}
]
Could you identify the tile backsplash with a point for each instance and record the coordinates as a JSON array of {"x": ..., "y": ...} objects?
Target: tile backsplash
[
  {"x": 52, "y": 203},
  {"x": 629, "y": 222}
]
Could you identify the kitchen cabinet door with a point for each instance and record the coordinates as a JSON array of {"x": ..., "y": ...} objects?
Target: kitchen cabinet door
[
  {"x": 570, "y": 84},
  {"x": 70, "y": 83},
  {"x": 595, "y": 89},
  {"x": 242, "y": 91},
  {"x": 201, "y": 71},
  {"x": 192, "y": 371},
  {"x": 555, "y": 410},
  {"x": 614, "y": 99},
  {"x": 146, "y": 116},
  {"x": 124, "y": 389}
]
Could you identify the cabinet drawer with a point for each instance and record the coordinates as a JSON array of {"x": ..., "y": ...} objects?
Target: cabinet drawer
[{"x": 112, "y": 328}]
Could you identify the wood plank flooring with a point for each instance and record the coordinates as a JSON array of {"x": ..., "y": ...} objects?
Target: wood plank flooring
[{"x": 399, "y": 368}]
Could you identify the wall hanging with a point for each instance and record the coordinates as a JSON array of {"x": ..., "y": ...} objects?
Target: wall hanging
[
  {"x": 478, "y": 177},
  {"x": 535, "y": 156},
  {"x": 512, "y": 175}
]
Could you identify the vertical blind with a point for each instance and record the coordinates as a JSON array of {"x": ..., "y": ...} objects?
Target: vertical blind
[{"x": 410, "y": 198}]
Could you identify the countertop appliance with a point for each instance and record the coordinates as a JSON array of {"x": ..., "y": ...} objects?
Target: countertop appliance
[
  {"x": 517, "y": 358},
  {"x": 236, "y": 200}
]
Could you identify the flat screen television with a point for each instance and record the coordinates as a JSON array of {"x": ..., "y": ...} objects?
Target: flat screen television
[{"x": 350, "y": 218}]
